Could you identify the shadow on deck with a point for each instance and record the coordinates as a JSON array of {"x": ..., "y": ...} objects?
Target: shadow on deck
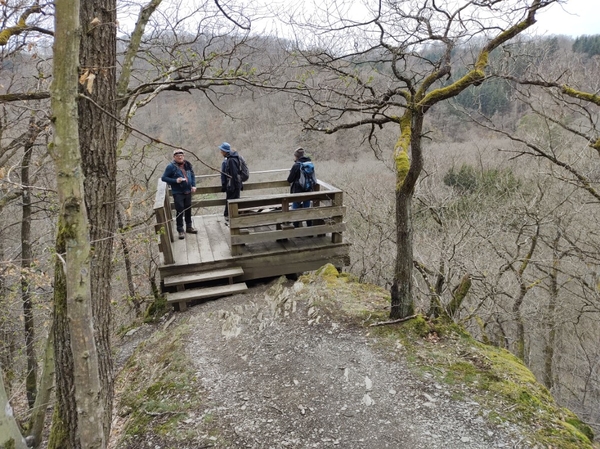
[{"x": 258, "y": 242}]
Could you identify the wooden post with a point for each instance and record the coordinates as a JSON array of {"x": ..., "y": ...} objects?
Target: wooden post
[
  {"x": 236, "y": 250},
  {"x": 338, "y": 200},
  {"x": 169, "y": 215},
  {"x": 164, "y": 225}
]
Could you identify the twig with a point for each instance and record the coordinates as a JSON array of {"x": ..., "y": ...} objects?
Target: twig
[
  {"x": 399, "y": 320},
  {"x": 161, "y": 413}
]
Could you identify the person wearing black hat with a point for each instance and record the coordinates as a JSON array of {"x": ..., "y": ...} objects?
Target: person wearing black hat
[
  {"x": 294, "y": 181},
  {"x": 179, "y": 174},
  {"x": 230, "y": 181}
]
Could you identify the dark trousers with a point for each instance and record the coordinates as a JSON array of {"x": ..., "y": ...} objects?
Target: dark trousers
[
  {"x": 230, "y": 196},
  {"x": 183, "y": 207},
  {"x": 301, "y": 205}
]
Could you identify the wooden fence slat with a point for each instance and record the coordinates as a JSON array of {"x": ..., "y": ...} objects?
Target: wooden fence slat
[
  {"x": 271, "y": 236},
  {"x": 275, "y": 217}
]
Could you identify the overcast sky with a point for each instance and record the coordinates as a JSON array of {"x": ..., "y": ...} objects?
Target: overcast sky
[{"x": 575, "y": 18}]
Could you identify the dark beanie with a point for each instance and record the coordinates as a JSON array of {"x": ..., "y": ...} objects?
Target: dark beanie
[{"x": 299, "y": 153}]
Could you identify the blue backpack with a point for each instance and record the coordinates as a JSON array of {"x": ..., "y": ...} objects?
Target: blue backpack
[{"x": 308, "y": 178}]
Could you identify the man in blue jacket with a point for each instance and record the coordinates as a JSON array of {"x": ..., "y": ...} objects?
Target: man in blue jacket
[{"x": 179, "y": 174}]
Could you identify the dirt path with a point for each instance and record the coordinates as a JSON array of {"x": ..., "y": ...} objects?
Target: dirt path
[{"x": 280, "y": 375}]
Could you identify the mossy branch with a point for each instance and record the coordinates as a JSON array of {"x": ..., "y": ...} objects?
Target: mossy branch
[
  {"x": 8, "y": 98},
  {"x": 22, "y": 26},
  {"x": 477, "y": 74},
  {"x": 586, "y": 96},
  {"x": 459, "y": 294}
]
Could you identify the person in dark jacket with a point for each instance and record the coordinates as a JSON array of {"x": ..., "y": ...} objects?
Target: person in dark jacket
[
  {"x": 179, "y": 174},
  {"x": 294, "y": 178},
  {"x": 231, "y": 183}
]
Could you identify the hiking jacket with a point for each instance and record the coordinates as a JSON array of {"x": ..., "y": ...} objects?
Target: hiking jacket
[
  {"x": 231, "y": 166},
  {"x": 172, "y": 172},
  {"x": 294, "y": 175}
]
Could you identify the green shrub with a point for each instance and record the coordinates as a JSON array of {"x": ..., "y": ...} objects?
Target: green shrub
[{"x": 494, "y": 181}]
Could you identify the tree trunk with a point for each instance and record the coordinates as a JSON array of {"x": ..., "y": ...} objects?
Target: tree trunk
[
  {"x": 80, "y": 408},
  {"x": 127, "y": 262},
  {"x": 10, "y": 436},
  {"x": 42, "y": 400},
  {"x": 26, "y": 260},
  {"x": 98, "y": 143},
  {"x": 402, "y": 299},
  {"x": 524, "y": 287},
  {"x": 548, "y": 376},
  {"x": 401, "y": 291},
  {"x": 520, "y": 332}
]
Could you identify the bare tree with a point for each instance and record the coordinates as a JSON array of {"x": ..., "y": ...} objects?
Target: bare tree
[{"x": 397, "y": 70}]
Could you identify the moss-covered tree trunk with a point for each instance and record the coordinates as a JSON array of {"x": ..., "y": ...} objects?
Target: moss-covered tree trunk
[
  {"x": 407, "y": 174},
  {"x": 420, "y": 97},
  {"x": 98, "y": 143},
  {"x": 80, "y": 410},
  {"x": 64, "y": 419}
]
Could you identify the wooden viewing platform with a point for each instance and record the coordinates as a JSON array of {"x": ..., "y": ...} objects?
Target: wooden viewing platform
[{"x": 259, "y": 241}]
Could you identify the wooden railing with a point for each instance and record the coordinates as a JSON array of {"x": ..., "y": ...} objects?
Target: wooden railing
[
  {"x": 163, "y": 205},
  {"x": 270, "y": 216}
]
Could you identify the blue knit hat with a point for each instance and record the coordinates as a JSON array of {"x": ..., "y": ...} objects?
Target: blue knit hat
[{"x": 225, "y": 147}]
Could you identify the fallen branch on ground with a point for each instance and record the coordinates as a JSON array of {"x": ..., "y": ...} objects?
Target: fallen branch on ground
[{"x": 399, "y": 320}]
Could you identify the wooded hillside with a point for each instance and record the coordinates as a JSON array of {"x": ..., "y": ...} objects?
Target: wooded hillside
[{"x": 504, "y": 211}]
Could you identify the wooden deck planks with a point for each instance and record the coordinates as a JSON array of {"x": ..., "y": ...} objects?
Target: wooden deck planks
[
  {"x": 191, "y": 244},
  {"x": 219, "y": 242},
  {"x": 206, "y": 254},
  {"x": 180, "y": 253}
]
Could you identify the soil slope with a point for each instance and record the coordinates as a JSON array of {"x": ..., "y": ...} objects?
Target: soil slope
[{"x": 280, "y": 367}]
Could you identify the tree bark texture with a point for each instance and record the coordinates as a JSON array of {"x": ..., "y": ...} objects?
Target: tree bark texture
[
  {"x": 83, "y": 401},
  {"x": 98, "y": 143}
]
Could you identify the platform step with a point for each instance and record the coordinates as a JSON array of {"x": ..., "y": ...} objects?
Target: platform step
[
  {"x": 203, "y": 293},
  {"x": 192, "y": 278}
]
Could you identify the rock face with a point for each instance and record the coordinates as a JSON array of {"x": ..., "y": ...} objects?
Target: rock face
[{"x": 281, "y": 374}]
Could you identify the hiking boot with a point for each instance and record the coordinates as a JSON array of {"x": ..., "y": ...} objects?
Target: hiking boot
[
  {"x": 191, "y": 230},
  {"x": 181, "y": 235}
]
